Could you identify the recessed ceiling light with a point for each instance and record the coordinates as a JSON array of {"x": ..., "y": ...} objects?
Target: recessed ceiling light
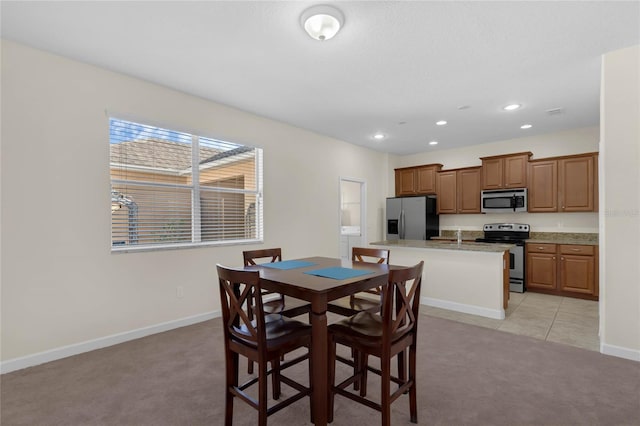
[
  {"x": 433, "y": 143},
  {"x": 511, "y": 107},
  {"x": 441, "y": 122},
  {"x": 378, "y": 136},
  {"x": 526, "y": 126}
]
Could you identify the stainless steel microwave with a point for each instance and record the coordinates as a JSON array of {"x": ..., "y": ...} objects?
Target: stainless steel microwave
[{"x": 504, "y": 201}]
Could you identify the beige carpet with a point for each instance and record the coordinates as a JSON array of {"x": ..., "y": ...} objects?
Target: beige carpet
[{"x": 467, "y": 376}]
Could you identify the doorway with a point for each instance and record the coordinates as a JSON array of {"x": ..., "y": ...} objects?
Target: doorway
[{"x": 352, "y": 215}]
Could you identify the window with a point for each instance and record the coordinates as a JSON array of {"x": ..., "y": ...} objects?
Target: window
[{"x": 172, "y": 189}]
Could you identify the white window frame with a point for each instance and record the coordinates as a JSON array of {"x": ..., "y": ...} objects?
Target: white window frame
[{"x": 195, "y": 206}]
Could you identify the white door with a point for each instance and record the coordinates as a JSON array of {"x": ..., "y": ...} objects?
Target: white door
[{"x": 352, "y": 215}]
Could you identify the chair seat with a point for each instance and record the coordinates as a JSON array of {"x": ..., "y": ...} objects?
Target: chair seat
[
  {"x": 277, "y": 329},
  {"x": 364, "y": 326},
  {"x": 348, "y": 306},
  {"x": 292, "y": 308}
]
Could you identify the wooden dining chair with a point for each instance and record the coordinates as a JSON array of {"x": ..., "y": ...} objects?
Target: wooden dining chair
[
  {"x": 262, "y": 340},
  {"x": 273, "y": 255},
  {"x": 363, "y": 301},
  {"x": 385, "y": 335},
  {"x": 277, "y": 304}
]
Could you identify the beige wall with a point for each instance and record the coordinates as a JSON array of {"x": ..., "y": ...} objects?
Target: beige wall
[
  {"x": 575, "y": 141},
  {"x": 620, "y": 201},
  {"x": 60, "y": 283},
  {"x": 62, "y": 286}
]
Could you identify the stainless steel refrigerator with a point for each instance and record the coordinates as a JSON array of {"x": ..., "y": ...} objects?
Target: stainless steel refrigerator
[{"x": 412, "y": 218}]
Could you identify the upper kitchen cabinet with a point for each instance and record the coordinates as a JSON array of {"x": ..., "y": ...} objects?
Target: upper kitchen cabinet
[
  {"x": 459, "y": 190},
  {"x": 564, "y": 184},
  {"x": 505, "y": 171},
  {"x": 578, "y": 184},
  {"x": 543, "y": 186},
  {"x": 418, "y": 180}
]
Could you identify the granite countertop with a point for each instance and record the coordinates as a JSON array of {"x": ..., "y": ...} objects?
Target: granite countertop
[
  {"x": 563, "y": 238},
  {"x": 535, "y": 237},
  {"x": 446, "y": 245}
]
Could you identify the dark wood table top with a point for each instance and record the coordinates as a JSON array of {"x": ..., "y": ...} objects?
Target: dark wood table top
[{"x": 296, "y": 283}]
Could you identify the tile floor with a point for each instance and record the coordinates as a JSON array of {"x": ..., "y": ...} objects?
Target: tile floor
[{"x": 554, "y": 318}]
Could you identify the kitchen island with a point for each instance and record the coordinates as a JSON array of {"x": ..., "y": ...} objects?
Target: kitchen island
[{"x": 469, "y": 277}]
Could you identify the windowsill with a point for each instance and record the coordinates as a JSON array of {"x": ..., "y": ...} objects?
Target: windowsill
[{"x": 164, "y": 247}]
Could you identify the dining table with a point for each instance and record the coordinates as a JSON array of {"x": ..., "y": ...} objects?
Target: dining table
[{"x": 320, "y": 280}]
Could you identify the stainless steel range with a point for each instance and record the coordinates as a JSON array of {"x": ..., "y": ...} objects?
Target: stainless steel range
[{"x": 510, "y": 233}]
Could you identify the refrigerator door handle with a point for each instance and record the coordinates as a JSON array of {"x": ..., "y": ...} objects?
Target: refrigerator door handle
[{"x": 402, "y": 224}]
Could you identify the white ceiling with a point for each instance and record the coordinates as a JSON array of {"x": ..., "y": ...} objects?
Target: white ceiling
[{"x": 395, "y": 67}]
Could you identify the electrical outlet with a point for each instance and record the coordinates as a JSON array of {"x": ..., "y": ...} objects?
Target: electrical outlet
[{"x": 180, "y": 292}]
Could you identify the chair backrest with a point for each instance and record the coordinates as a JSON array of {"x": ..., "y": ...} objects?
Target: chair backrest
[
  {"x": 401, "y": 301},
  {"x": 237, "y": 289},
  {"x": 273, "y": 254},
  {"x": 370, "y": 255}
]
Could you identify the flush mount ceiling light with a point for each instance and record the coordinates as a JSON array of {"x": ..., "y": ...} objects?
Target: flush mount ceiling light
[
  {"x": 511, "y": 107},
  {"x": 322, "y": 22}
]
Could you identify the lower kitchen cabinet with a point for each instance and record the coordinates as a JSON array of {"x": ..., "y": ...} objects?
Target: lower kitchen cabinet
[{"x": 563, "y": 269}]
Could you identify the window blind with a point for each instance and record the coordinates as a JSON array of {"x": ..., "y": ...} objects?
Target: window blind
[{"x": 171, "y": 188}]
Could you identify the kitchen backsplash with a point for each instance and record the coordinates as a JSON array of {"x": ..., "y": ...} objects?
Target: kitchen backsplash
[
  {"x": 574, "y": 237},
  {"x": 539, "y": 222}
]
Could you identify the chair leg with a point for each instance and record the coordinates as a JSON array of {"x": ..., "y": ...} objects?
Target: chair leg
[
  {"x": 231, "y": 380},
  {"x": 332, "y": 378},
  {"x": 385, "y": 390},
  {"x": 262, "y": 395},
  {"x": 413, "y": 399},
  {"x": 355, "y": 356},
  {"x": 275, "y": 378},
  {"x": 311, "y": 405},
  {"x": 402, "y": 368},
  {"x": 363, "y": 364}
]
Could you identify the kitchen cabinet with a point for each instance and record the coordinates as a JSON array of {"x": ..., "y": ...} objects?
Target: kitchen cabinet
[
  {"x": 563, "y": 269},
  {"x": 459, "y": 190},
  {"x": 418, "y": 180},
  {"x": 564, "y": 184},
  {"x": 541, "y": 267},
  {"x": 578, "y": 269},
  {"x": 577, "y": 184},
  {"x": 505, "y": 171}
]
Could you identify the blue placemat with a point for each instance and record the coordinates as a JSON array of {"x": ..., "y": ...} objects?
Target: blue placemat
[
  {"x": 338, "y": 273},
  {"x": 288, "y": 264}
]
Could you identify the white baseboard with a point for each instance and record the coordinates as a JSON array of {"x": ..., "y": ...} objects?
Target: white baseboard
[
  {"x": 620, "y": 352},
  {"x": 102, "y": 342},
  {"x": 461, "y": 307}
]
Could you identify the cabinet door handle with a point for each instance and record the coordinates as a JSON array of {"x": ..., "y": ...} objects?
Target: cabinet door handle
[
  {"x": 575, "y": 249},
  {"x": 540, "y": 248},
  {"x": 554, "y": 258},
  {"x": 562, "y": 258}
]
